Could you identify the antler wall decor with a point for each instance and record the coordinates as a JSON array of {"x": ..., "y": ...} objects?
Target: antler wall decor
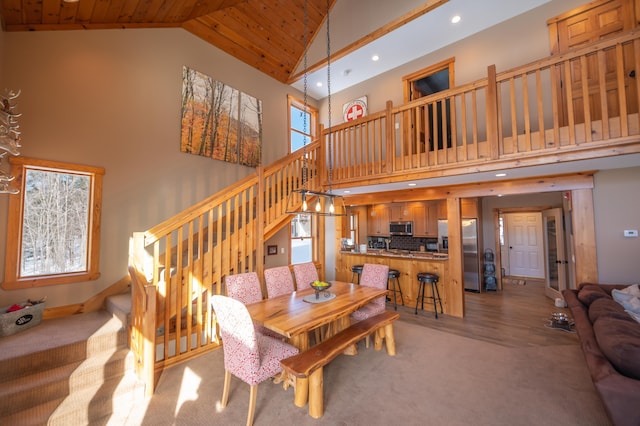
[{"x": 9, "y": 136}]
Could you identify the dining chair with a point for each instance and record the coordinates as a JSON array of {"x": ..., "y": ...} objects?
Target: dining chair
[
  {"x": 278, "y": 281},
  {"x": 250, "y": 356},
  {"x": 372, "y": 276},
  {"x": 305, "y": 273},
  {"x": 246, "y": 288}
]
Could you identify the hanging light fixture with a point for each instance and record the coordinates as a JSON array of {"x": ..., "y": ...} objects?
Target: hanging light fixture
[{"x": 325, "y": 203}]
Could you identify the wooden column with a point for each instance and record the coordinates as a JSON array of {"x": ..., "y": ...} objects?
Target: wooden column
[
  {"x": 584, "y": 236},
  {"x": 455, "y": 287},
  {"x": 492, "y": 113}
]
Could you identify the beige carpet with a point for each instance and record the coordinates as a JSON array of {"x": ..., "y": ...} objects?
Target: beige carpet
[{"x": 436, "y": 379}]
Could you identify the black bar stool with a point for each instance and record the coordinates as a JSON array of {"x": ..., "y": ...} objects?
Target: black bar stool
[
  {"x": 394, "y": 278},
  {"x": 425, "y": 278},
  {"x": 356, "y": 270}
]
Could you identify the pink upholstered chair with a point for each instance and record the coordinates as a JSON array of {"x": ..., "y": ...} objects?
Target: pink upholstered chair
[
  {"x": 278, "y": 281},
  {"x": 305, "y": 274},
  {"x": 244, "y": 287},
  {"x": 373, "y": 276},
  {"x": 250, "y": 356}
]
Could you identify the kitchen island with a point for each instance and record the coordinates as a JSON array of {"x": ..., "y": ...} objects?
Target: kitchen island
[{"x": 409, "y": 263}]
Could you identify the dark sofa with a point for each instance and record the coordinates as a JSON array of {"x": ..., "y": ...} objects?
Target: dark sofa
[{"x": 610, "y": 340}]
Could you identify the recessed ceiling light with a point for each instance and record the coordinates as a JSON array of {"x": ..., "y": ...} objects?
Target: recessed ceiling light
[
  {"x": 412, "y": 184},
  {"x": 346, "y": 191},
  {"x": 319, "y": 84},
  {"x": 375, "y": 58},
  {"x": 455, "y": 19},
  {"x": 500, "y": 174}
]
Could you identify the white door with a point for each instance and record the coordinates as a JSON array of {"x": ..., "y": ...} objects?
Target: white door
[
  {"x": 525, "y": 242},
  {"x": 556, "y": 258}
]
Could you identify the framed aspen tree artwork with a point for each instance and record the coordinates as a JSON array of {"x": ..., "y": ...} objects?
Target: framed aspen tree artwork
[{"x": 218, "y": 121}]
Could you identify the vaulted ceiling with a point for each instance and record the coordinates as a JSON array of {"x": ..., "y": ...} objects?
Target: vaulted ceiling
[
  {"x": 265, "y": 34},
  {"x": 269, "y": 35}
]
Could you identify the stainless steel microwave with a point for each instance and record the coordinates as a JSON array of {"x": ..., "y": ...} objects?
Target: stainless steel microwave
[{"x": 401, "y": 228}]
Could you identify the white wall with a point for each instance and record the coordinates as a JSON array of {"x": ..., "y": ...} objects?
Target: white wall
[
  {"x": 617, "y": 207},
  {"x": 111, "y": 98},
  {"x": 513, "y": 43}
]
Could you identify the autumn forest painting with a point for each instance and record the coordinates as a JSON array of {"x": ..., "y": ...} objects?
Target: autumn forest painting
[{"x": 219, "y": 121}]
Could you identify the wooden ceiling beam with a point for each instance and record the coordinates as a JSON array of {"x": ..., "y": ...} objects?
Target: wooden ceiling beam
[{"x": 480, "y": 189}]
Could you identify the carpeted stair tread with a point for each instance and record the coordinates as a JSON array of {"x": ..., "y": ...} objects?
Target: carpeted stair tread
[
  {"x": 56, "y": 332},
  {"x": 42, "y": 386},
  {"x": 93, "y": 345},
  {"x": 81, "y": 408}
]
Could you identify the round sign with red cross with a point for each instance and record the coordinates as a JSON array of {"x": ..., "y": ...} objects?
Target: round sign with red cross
[{"x": 355, "y": 109}]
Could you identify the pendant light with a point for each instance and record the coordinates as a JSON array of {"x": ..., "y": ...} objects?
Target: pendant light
[{"x": 325, "y": 203}]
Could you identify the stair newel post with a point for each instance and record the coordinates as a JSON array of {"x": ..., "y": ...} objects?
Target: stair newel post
[
  {"x": 261, "y": 213},
  {"x": 492, "y": 112}
]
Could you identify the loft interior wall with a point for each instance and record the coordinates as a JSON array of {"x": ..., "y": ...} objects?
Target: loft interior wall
[
  {"x": 616, "y": 206},
  {"x": 111, "y": 98},
  {"x": 513, "y": 43}
]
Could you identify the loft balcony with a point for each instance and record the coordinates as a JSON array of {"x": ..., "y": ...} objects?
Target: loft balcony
[{"x": 576, "y": 106}]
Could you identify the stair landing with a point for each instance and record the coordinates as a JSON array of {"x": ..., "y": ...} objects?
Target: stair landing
[{"x": 56, "y": 332}]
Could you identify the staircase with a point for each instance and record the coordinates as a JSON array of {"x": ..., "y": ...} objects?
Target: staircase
[{"x": 71, "y": 371}]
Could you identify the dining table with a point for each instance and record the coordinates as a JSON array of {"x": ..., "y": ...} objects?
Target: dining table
[{"x": 297, "y": 314}]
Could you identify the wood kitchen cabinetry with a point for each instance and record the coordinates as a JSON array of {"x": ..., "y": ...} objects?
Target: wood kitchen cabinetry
[
  {"x": 378, "y": 220},
  {"x": 425, "y": 219},
  {"x": 400, "y": 213}
]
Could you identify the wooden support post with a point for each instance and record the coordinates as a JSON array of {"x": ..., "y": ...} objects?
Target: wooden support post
[
  {"x": 492, "y": 113},
  {"x": 302, "y": 391},
  {"x": 316, "y": 404}
]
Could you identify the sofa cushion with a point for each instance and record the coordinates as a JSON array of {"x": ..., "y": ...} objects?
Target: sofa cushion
[
  {"x": 619, "y": 341},
  {"x": 590, "y": 292},
  {"x": 607, "y": 307}
]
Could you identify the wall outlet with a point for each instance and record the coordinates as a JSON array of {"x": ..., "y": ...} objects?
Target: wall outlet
[{"x": 630, "y": 232}]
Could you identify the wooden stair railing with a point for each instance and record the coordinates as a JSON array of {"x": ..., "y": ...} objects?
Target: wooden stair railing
[
  {"x": 176, "y": 265},
  {"x": 516, "y": 118}
]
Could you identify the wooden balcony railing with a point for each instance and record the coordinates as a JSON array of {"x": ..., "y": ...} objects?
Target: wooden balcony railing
[
  {"x": 579, "y": 105},
  {"x": 582, "y": 104},
  {"x": 182, "y": 261}
]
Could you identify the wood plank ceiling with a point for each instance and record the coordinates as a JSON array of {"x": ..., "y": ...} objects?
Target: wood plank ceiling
[{"x": 265, "y": 34}]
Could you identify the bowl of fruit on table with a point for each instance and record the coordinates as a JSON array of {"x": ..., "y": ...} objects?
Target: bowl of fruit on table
[{"x": 319, "y": 287}]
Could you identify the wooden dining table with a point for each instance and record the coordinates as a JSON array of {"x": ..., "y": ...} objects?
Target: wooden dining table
[{"x": 294, "y": 317}]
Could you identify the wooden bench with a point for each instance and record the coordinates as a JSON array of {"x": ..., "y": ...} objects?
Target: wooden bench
[{"x": 307, "y": 366}]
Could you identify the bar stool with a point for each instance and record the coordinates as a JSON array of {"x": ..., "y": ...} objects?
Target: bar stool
[
  {"x": 394, "y": 278},
  {"x": 425, "y": 278},
  {"x": 356, "y": 270}
]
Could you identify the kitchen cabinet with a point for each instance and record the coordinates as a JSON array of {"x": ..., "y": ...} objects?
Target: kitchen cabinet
[
  {"x": 425, "y": 219},
  {"x": 378, "y": 220},
  {"x": 400, "y": 213}
]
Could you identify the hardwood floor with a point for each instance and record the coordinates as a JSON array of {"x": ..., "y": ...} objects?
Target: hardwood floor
[{"x": 516, "y": 316}]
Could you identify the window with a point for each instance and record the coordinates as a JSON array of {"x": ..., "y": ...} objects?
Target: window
[
  {"x": 302, "y": 238},
  {"x": 302, "y": 124},
  {"x": 353, "y": 227},
  {"x": 53, "y": 230}
]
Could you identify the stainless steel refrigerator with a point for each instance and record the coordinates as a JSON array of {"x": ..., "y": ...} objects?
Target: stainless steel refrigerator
[{"x": 471, "y": 260}]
